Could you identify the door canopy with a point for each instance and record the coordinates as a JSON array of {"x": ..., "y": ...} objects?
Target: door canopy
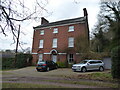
[{"x": 53, "y": 51}]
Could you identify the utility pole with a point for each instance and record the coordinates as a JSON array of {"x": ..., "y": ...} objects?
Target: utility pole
[{"x": 16, "y": 51}]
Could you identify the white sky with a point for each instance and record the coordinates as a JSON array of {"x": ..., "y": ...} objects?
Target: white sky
[{"x": 61, "y": 9}]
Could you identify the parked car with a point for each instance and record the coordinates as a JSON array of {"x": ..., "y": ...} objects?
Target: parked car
[
  {"x": 86, "y": 65},
  {"x": 46, "y": 65}
]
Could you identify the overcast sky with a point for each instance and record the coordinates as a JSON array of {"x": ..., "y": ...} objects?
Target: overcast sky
[{"x": 59, "y": 10}]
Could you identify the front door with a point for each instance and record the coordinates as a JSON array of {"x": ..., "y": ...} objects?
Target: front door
[
  {"x": 40, "y": 57},
  {"x": 54, "y": 58}
]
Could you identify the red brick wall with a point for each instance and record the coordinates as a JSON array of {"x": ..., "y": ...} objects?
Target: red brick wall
[
  {"x": 62, "y": 58},
  {"x": 35, "y": 59},
  {"x": 62, "y": 36},
  {"x": 46, "y": 56}
]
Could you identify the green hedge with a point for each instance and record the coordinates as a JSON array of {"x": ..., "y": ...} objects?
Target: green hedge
[
  {"x": 61, "y": 64},
  {"x": 64, "y": 65},
  {"x": 90, "y": 55},
  {"x": 7, "y": 63},
  {"x": 23, "y": 60},
  {"x": 116, "y": 62}
]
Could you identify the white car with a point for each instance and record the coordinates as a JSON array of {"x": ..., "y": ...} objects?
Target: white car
[{"x": 88, "y": 65}]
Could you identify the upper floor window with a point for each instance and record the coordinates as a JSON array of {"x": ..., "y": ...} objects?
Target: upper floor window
[
  {"x": 70, "y": 42},
  {"x": 71, "y": 28},
  {"x": 54, "y": 43},
  {"x": 41, "y": 43},
  {"x": 42, "y": 32},
  {"x": 55, "y": 30}
]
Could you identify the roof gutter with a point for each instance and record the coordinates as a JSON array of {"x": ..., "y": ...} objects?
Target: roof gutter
[{"x": 36, "y": 28}]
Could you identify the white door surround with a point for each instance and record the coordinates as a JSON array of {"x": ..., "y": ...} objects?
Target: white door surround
[{"x": 54, "y": 53}]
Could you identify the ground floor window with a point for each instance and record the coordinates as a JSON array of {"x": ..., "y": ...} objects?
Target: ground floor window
[
  {"x": 40, "y": 57},
  {"x": 70, "y": 58}
]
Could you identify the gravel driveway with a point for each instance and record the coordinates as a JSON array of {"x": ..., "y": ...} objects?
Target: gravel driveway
[{"x": 59, "y": 77}]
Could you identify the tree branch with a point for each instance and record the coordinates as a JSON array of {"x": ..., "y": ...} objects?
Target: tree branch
[{"x": 3, "y": 30}]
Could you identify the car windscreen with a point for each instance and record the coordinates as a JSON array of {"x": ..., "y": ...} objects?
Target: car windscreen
[
  {"x": 40, "y": 63},
  {"x": 83, "y": 62}
]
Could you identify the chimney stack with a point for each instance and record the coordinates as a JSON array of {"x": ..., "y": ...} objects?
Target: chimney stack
[
  {"x": 86, "y": 20},
  {"x": 85, "y": 12},
  {"x": 44, "y": 21}
]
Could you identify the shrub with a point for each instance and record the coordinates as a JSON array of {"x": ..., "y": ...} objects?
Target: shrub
[
  {"x": 70, "y": 65},
  {"x": 7, "y": 63},
  {"x": 94, "y": 55},
  {"x": 23, "y": 60},
  {"x": 64, "y": 65},
  {"x": 61, "y": 64},
  {"x": 116, "y": 62},
  {"x": 91, "y": 55}
]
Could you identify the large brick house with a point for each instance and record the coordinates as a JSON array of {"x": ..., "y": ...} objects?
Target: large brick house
[{"x": 57, "y": 40}]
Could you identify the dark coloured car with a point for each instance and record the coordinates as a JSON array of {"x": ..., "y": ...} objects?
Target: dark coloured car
[{"x": 46, "y": 65}]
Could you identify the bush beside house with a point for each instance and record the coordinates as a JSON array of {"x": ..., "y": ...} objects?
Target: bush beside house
[
  {"x": 116, "y": 62},
  {"x": 83, "y": 56},
  {"x": 23, "y": 60},
  {"x": 61, "y": 64}
]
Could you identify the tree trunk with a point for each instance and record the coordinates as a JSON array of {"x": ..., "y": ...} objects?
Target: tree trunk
[{"x": 16, "y": 51}]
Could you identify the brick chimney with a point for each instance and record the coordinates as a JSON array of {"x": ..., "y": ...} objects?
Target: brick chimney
[
  {"x": 85, "y": 12},
  {"x": 87, "y": 25},
  {"x": 44, "y": 21}
]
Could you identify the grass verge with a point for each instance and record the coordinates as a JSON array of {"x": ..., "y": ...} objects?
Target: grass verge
[
  {"x": 28, "y": 85},
  {"x": 101, "y": 76},
  {"x": 99, "y": 84}
]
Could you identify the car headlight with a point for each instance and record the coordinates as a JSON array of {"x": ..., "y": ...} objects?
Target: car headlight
[{"x": 78, "y": 67}]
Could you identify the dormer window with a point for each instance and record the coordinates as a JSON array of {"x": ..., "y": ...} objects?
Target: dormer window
[
  {"x": 42, "y": 32},
  {"x": 55, "y": 30},
  {"x": 71, "y": 28}
]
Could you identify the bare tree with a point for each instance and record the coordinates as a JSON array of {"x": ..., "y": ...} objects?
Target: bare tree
[{"x": 13, "y": 12}]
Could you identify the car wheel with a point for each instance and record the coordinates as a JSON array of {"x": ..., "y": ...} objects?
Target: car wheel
[
  {"x": 101, "y": 69},
  {"x": 84, "y": 69},
  {"x": 48, "y": 68},
  {"x": 56, "y": 67}
]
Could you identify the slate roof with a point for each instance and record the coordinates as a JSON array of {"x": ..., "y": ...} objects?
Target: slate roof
[{"x": 62, "y": 22}]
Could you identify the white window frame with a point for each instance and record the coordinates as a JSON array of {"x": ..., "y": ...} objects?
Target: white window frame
[
  {"x": 55, "y": 30},
  {"x": 70, "y": 42},
  {"x": 70, "y": 58},
  {"x": 71, "y": 29},
  {"x": 42, "y": 32},
  {"x": 40, "y": 57},
  {"x": 41, "y": 43},
  {"x": 54, "y": 43}
]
